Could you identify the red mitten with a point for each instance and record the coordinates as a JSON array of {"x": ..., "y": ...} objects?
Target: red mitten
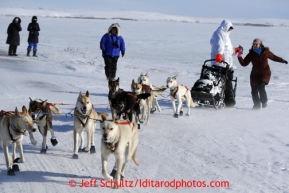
[
  {"x": 219, "y": 58},
  {"x": 237, "y": 49}
]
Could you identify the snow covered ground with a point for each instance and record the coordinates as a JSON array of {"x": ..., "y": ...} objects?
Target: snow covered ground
[{"x": 248, "y": 149}]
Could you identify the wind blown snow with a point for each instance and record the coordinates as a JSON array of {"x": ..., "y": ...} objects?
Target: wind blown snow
[{"x": 248, "y": 149}]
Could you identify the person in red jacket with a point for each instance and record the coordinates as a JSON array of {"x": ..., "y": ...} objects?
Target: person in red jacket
[{"x": 260, "y": 75}]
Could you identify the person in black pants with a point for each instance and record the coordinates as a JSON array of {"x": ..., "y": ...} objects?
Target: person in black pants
[
  {"x": 260, "y": 75},
  {"x": 111, "y": 45},
  {"x": 13, "y": 38}
]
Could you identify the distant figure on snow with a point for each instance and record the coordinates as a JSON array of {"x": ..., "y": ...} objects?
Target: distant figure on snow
[
  {"x": 223, "y": 50},
  {"x": 261, "y": 73},
  {"x": 13, "y": 38},
  {"x": 33, "y": 29},
  {"x": 111, "y": 45}
]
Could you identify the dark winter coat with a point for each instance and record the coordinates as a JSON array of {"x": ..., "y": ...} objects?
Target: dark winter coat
[
  {"x": 260, "y": 71},
  {"x": 13, "y": 33},
  {"x": 33, "y": 29}
]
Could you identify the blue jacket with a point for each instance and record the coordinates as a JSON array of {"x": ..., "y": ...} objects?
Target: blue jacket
[{"x": 111, "y": 45}]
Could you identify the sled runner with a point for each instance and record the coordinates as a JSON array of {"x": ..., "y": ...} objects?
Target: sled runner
[{"x": 209, "y": 90}]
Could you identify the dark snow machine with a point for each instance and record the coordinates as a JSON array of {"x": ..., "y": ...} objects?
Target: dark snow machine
[{"x": 209, "y": 90}]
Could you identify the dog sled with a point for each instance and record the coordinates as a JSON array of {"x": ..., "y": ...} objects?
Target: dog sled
[{"x": 209, "y": 90}]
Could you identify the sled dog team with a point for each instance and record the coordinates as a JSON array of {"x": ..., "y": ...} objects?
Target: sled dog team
[{"x": 119, "y": 137}]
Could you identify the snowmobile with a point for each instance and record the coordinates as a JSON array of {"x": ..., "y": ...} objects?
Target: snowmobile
[{"x": 209, "y": 90}]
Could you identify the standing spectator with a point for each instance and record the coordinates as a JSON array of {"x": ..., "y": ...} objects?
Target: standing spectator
[
  {"x": 261, "y": 73},
  {"x": 33, "y": 29},
  {"x": 223, "y": 50},
  {"x": 13, "y": 38},
  {"x": 111, "y": 45}
]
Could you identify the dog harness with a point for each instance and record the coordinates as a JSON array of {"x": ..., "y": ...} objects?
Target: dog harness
[
  {"x": 147, "y": 88},
  {"x": 8, "y": 114},
  {"x": 43, "y": 112},
  {"x": 83, "y": 117},
  {"x": 173, "y": 94},
  {"x": 16, "y": 130},
  {"x": 113, "y": 146},
  {"x": 134, "y": 96},
  {"x": 5, "y": 113},
  {"x": 127, "y": 122},
  {"x": 125, "y": 102}
]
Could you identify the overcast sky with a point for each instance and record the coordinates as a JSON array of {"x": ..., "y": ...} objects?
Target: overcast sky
[{"x": 195, "y": 8}]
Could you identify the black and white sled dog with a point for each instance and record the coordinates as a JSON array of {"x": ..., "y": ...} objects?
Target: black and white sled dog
[
  {"x": 42, "y": 116},
  {"x": 128, "y": 103},
  {"x": 114, "y": 90},
  {"x": 85, "y": 117},
  {"x": 121, "y": 139},
  {"x": 144, "y": 79},
  {"x": 13, "y": 127},
  {"x": 139, "y": 88},
  {"x": 179, "y": 92}
]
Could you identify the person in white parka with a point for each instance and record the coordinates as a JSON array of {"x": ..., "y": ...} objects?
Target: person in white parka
[{"x": 223, "y": 50}]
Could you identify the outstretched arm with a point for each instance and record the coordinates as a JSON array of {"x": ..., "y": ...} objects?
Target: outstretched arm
[
  {"x": 245, "y": 61},
  {"x": 276, "y": 58}
]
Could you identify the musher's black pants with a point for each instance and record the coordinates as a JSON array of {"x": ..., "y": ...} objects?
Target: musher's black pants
[{"x": 110, "y": 66}]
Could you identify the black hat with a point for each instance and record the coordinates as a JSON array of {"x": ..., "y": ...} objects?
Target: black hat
[{"x": 34, "y": 18}]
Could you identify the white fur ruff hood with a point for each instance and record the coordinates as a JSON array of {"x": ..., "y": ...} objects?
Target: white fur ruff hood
[{"x": 116, "y": 25}]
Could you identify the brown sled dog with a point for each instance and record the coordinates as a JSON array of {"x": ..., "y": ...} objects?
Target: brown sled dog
[
  {"x": 42, "y": 116},
  {"x": 140, "y": 88}
]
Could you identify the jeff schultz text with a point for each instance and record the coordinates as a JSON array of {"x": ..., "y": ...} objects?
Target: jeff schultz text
[{"x": 148, "y": 183}]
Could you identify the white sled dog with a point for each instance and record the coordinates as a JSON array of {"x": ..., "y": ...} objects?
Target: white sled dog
[
  {"x": 144, "y": 79},
  {"x": 180, "y": 93},
  {"x": 121, "y": 139},
  {"x": 12, "y": 129},
  {"x": 42, "y": 116},
  {"x": 139, "y": 88},
  {"x": 85, "y": 117}
]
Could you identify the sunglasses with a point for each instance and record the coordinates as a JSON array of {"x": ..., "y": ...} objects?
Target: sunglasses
[{"x": 255, "y": 44}]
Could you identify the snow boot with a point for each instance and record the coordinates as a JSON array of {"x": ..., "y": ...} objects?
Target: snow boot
[
  {"x": 256, "y": 107},
  {"x": 14, "y": 49},
  {"x": 113, "y": 173},
  {"x": 264, "y": 105},
  {"x": 153, "y": 109},
  {"x": 28, "y": 52},
  {"x": 34, "y": 53}
]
